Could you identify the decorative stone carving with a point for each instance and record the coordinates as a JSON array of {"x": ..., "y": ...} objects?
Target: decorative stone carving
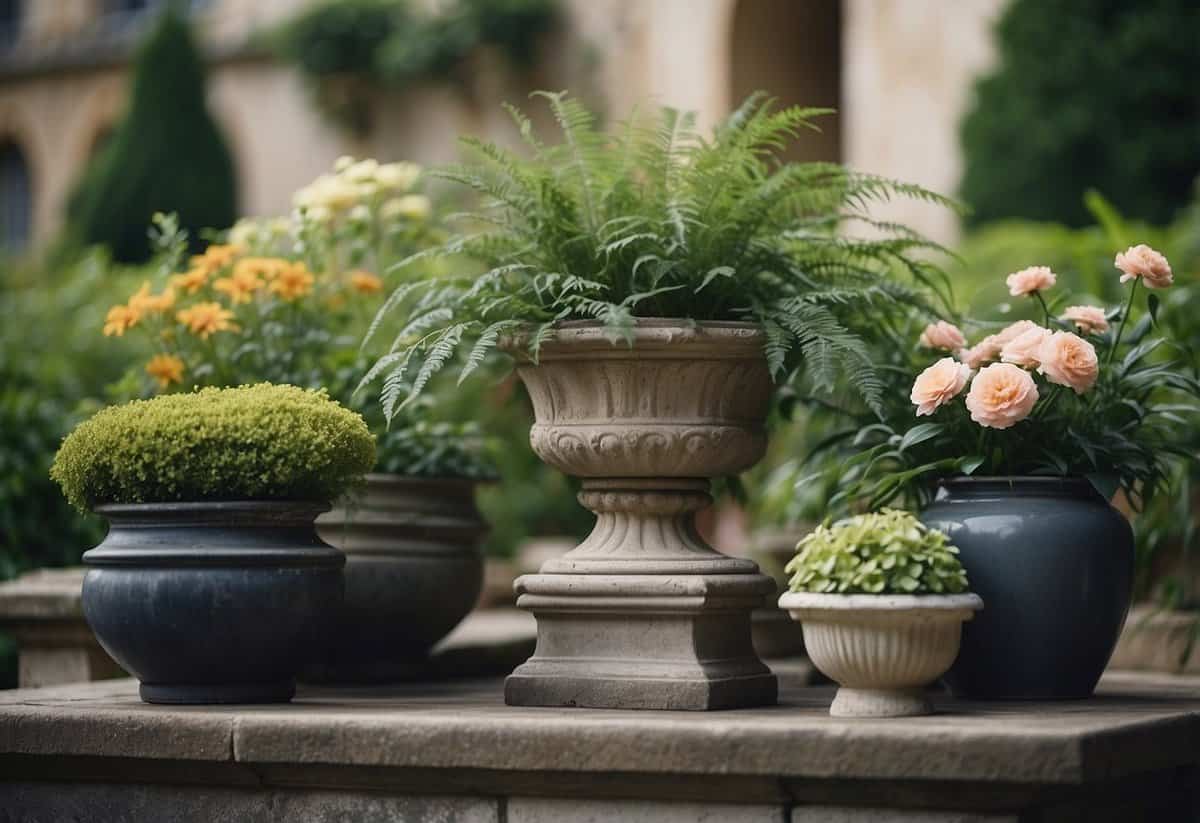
[{"x": 643, "y": 613}]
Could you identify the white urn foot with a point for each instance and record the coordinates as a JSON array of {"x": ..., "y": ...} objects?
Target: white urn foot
[{"x": 880, "y": 703}]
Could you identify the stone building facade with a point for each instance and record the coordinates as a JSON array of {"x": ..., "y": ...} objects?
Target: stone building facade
[{"x": 898, "y": 71}]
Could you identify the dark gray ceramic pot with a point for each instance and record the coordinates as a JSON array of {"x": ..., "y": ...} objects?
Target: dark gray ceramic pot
[
  {"x": 219, "y": 602},
  {"x": 414, "y": 569},
  {"x": 1053, "y": 562}
]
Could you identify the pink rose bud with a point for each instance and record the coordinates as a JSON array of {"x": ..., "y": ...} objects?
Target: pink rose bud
[
  {"x": 1001, "y": 396},
  {"x": 943, "y": 335},
  {"x": 1027, "y": 281},
  {"x": 1144, "y": 262}
]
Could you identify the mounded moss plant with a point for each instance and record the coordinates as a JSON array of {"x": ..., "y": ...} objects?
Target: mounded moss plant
[
  {"x": 885, "y": 552},
  {"x": 247, "y": 443}
]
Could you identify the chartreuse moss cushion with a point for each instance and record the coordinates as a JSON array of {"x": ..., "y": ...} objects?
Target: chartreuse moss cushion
[{"x": 262, "y": 442}]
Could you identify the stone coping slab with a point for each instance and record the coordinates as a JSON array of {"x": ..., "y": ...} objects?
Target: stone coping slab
[{"x": 1136, "y": 725}]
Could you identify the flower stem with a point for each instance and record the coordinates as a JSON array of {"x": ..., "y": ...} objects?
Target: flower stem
[
  {"x": 1045, "y": 308},
  {"x": 1124, "y": 319}
]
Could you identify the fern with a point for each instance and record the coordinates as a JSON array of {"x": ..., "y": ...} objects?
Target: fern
[{"x": 654, "y": 219}]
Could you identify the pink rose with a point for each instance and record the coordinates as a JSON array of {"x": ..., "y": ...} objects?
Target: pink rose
[
  {"x": 1012, "y": 331},
  {"x": 1027, "y": 281},
  {"x": 943, "y": 335},
  {"x": 983, "y": 351},
  {"x": 1024, "y": 349},
  {"x": 939, "y": 384},
  {"x": 1069, "y": 360},
  {"x": 1001, "y": 396},
  {"x": 1144, "y": 262},
  {"x": 1088, "y": 319}
]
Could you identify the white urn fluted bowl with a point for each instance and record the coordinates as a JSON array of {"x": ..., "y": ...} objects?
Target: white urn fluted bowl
[{"x": 882, "y": 650}]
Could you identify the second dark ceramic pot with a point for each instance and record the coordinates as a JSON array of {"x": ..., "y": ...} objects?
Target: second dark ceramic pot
[
  {"x": 1053, "y": 562},
  {"x": 414, "y": 569},
  {"x": 220, "y": 602}
]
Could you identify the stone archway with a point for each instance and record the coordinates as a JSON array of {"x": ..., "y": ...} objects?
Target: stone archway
[
  {"x": 791, "y": 49},
  {"x": 16, "y": 197}
]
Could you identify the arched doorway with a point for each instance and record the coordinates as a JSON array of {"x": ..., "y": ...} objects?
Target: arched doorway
[
  {"x": 792, "y": 49},
  {"x": 16, "y": 198}
]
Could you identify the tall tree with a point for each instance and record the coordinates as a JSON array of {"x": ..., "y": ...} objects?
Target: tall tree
[
  {"x": 1086, "y": 94},
  {"x": 166, "y": 155}
]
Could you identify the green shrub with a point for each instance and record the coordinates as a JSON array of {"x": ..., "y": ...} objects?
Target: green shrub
[
  {"x": 250, "y": 442},
  {"x": 1086, "y": 93},
  {"x": 885, "y": 552},
  {"x": 167, "y": 155}
]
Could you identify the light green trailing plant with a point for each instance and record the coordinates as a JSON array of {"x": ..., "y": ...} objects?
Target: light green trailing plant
[
  {"x": 885, "y": 552},
  {"x": 251, "y": 442},
  {"x": 655, "y": 220}
]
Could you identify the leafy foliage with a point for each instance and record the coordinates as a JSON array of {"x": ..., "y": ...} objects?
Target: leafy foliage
[
  {"x": 1128, "y": 432},
  {"x": 1086, "y": 93},
  {"x": 50, "y": 370},
  {"x": 655, "y": 220},
  {"x": 341, "y": 44},
  {"x": 886, "y": 552},
  {"x": 166, "y": 155},
  {"x": 250, "y": 442}
]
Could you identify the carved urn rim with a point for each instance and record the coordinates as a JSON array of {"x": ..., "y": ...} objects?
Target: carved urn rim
[{"x": 651, "y": 337}]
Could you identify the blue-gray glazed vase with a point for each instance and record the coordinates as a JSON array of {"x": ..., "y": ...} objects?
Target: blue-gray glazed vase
[
  {"x": 215, "y": 602},
  {"x": 1053, "y": 562}
]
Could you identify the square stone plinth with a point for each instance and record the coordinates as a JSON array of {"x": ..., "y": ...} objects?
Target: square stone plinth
[{"x": 455, "y": 751}]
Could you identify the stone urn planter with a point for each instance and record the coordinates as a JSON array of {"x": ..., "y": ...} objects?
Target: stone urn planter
[
  {"x": 414, "y": 570},
  {"x": 883, "y": 650},
  {"x": 643, "y": 613},
  {"x": 215, "y": 602},
  {"x": 1054, "y": 562}
]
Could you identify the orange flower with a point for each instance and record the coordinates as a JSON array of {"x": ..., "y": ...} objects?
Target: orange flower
[
  {"x": 216, "y": 257},
  {"x": 191, "y": 282},
  {"x": 166, "y": 369},
  {"x": 203, "y": 319},
  {"x": 294, "y": 280},
  {"x": 241, "y": 285},
  {"x": 365, "y": 283},
  {"x": 120, "y": 319},
  {"x": 266, "y": 268},
  {"x": 144, "y": 302}
]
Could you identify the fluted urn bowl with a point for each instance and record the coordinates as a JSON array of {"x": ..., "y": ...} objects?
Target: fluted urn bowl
[
  {"x": 674, "y": 401},
  {"x": 883, "y": 650}
]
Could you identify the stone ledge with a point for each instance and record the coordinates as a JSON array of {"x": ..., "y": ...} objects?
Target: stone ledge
[{"x": 1138, "y": 724}]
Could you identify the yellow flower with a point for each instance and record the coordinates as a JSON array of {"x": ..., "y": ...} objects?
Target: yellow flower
[
  {"x": 143, "y": 302},
  {"x": 191, "y": 282},
  {"x": 166, "y": 369},
  {"x": 365, "y": 283},
  {"x": 409, "y": 207},
  {"x": 203, "y": 319},
  {"x": 120, "y": 319},
  {"x": 294, "y": 280}
]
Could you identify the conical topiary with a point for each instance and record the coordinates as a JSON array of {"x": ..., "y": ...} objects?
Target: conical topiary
[{"x": 167, "y": 155}]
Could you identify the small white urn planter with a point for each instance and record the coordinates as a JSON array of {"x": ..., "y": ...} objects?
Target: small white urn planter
[
  {"x": 644, "y": 614},
  {"x": 882, "y": 650}
]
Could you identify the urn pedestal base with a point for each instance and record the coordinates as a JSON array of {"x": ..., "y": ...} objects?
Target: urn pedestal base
[{"x": 643, "y": 614}]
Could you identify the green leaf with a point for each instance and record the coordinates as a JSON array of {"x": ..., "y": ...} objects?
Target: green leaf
[
  {"x": 919, "y": 434},
  {"x": 1152, "y": 305},
  {"x": 1106, "y": 484},
  {"x": 970, "y": 464}
]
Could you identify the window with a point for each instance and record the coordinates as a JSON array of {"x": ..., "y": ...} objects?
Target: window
[{"x": 16, "y": 198}]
